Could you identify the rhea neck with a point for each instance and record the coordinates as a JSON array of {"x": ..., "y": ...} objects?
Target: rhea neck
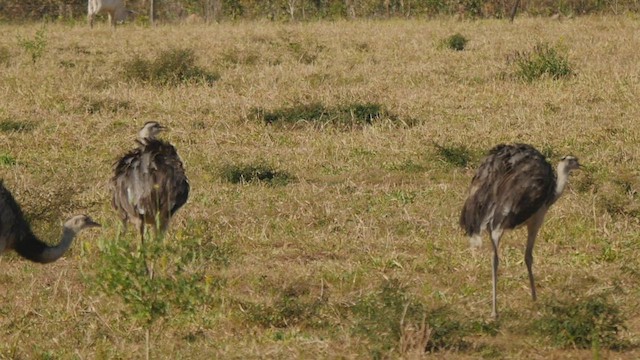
[
  {"x": 561, "y": 182},
  {"x": 36, "y": 250},
  {"x": 145, "y": 137}
]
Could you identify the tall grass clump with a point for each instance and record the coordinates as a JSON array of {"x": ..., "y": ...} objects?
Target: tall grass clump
[
  {"x": 544, "y": 60},
  {"x": 455, "y": 42},
  {"x": 170, "y": 67},
  {"x": 592, "y": 322}
]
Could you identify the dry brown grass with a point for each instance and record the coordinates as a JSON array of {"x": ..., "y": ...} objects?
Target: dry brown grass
[{"x": 368, "y": 204}]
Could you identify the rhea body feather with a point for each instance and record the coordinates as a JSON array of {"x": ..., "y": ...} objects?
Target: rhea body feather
[
  {"x": 511, "y": 185},
  {"x": 514, "y": 186},
  {"x": 149, "y": 184}
]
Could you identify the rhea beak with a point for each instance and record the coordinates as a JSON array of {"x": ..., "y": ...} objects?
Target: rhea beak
[{"x": 91, "y": 223}]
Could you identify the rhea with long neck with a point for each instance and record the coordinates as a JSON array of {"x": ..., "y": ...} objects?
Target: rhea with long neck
[{"x": 16, "y": 234}]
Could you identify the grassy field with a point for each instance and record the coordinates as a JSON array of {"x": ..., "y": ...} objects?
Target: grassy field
[{"x": 365, "y": 136}]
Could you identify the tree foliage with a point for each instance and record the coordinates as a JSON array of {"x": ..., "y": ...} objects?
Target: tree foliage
[{"x": 301, "y": 10}]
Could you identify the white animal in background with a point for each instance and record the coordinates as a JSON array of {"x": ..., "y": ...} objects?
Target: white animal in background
[{"x": 114, "y": 8}]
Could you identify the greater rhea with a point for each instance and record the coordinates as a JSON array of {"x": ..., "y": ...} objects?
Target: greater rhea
[
  {"x": 149, "y": 182},
  {"x": 16, "y": 234},
  {"x": 513, "y": 186}
]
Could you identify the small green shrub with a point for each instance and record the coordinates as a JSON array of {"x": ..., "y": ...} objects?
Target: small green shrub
[
  {"x": 34, "y": 47},
  {"x": 171, "y": 67},
  {"x": 176, "y": 286},
  {"x": 592, "y": 322},
  {"x": 458, "y": 156},
  {"x": 346, "y": 116},
  {"x": 544, "y": 60},
  {"x": 260, "y": 172},
  {"x": 455, "y": 42}
]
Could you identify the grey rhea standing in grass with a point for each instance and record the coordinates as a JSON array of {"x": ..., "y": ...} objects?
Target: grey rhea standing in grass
[
  {"x": 514, "y": 185},
  {"x": 16, "y": 234},
  {"x": 149, "y": 182}
]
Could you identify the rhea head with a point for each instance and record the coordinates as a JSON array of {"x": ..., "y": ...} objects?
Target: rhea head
[
  {"x": 80, "y": 222},
  {"x": 150, "y": 130},
  {"x": 570, "y": 163}
]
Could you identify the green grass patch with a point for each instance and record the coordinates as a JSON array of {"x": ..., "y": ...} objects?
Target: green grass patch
[
  {"x": 8, "y": 126},
  {"x": 590, "y": 322},
  {"x": 543, "y": 60},
  {"x": 258, "y": 172},
  {"x": 391, "y": 318},
  {"x": 170, "y": 67},
  {"x": 7, "y": 160},
  {"x": 454, "y": 155},
  {"x": 618, "y": 195},
  {"x": 346, "y": 116},
  {"x": 5, "y": 56},
  {"x": 237, "y": 56},
  {"x": 305, "y": 53},
  {"x": 295, "y": 305},
  {"x": 407, "y": 166},
  {"x": 103, "y": 105}
]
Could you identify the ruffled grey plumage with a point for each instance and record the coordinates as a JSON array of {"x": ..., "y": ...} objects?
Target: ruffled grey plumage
[
  {"x": 510, "y": 185},
  {"x": 149, "y": 184},
  {"x": 514, "y": 185}
]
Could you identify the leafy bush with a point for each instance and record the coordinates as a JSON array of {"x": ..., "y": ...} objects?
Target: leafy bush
[
  {"x": 544, "y": 60},
  {"x": 34, "y": 47},
  {"x": 122, "y": 271},
  {"x": 455, "y": 42},
  {"x": 260, "y": 172},
  {"x": 592, "y": 322},
  {"x": 171, "y": 67}
]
